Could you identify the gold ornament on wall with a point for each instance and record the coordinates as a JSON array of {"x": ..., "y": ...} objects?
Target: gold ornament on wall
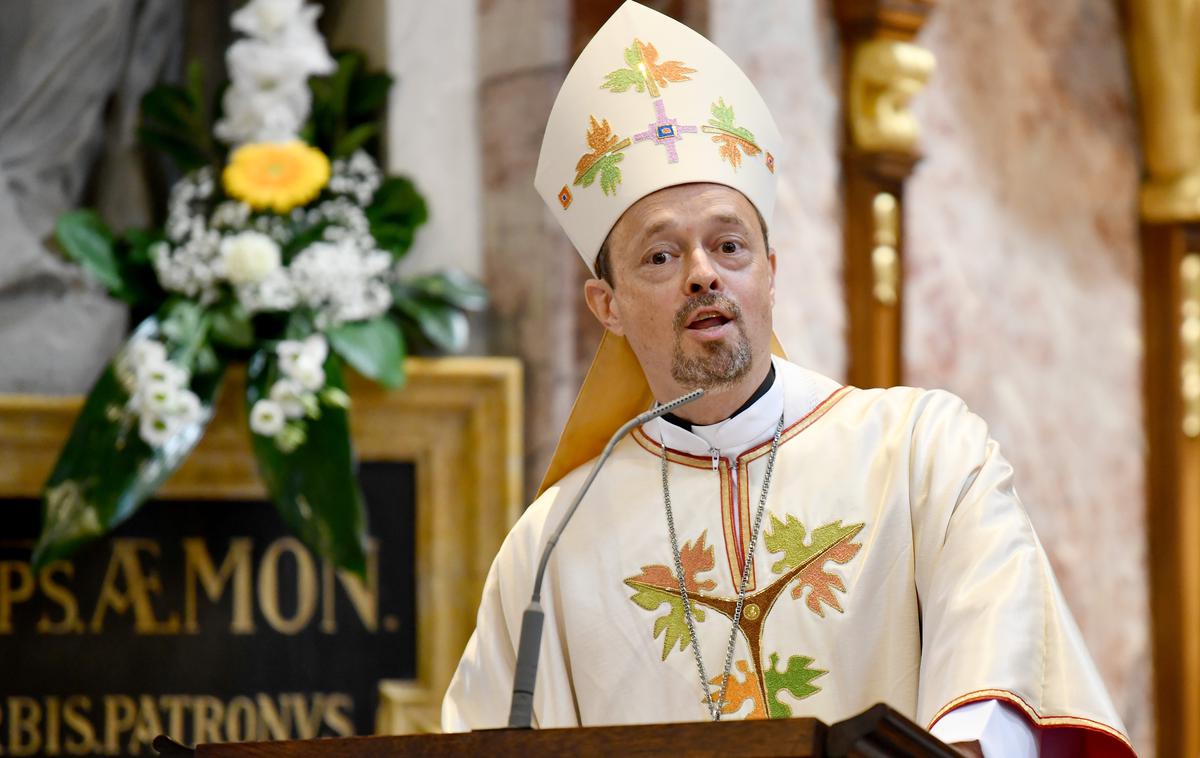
[{"x": 885, "y": 75}]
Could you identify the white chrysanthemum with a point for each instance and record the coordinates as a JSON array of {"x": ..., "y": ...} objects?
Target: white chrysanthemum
[
  {"x": 267, "y": 418},
  {"x": 249, "y": 257}
]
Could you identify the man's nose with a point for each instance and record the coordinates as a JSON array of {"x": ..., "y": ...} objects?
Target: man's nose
[{"x": 701, "y": 275}]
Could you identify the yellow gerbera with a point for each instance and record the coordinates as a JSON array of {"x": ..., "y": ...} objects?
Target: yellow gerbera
[{"x": 276, "y": 176}]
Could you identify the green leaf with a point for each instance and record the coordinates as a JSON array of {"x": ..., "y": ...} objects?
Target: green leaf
[
  {"x": 368, "y": 96},
  {"x": 375, "y": 348},
  {"x": 314, "y": 486},
  {"x": 395, "y": 213},
  {"x": 796, "y": 679},
  {"x": 105, "y": 471},
  {"x": 452, "y": 287},
  {"x": 186, "y": 154},
  {"x": 348, "y": 65},
  {"x": 788, "y": 537},
  {"x": 633, "y": 56},
  {"x": 723, "y": 114},
  {"x": 443, "y": 325},
  {"x": 610, "y": 173},
  {"x": 231, "y": 325},
  {"x": 673, "y": 626},
  {"x": 354, "y": 139},
  {"x": 622, "y": 79},
  {"x": 89, "y": 243}
]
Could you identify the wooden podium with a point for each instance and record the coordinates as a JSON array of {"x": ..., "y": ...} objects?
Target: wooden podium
[{"x": 879, "y": 732}]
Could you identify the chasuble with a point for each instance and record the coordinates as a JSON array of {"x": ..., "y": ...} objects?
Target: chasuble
[{"x": 894, "y": 563}]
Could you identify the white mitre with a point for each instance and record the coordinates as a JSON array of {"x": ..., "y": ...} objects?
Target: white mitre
[{"x": 649, "y": 104}]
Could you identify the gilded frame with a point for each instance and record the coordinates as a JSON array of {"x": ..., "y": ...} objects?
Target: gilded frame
[{"x": 457, "y": 419}]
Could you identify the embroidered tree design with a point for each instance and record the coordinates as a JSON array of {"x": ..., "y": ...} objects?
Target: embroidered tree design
[
  {"x": 733, "y": 139},
  {"x": 832, "y": 541},
  {"x": 645, "y": 73},
  {"x": 802, "y": 563},
  {"x": 603, "y": 159}
]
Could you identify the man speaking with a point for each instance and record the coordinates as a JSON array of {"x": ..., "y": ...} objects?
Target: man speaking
[{"x": 783, "y": 546}]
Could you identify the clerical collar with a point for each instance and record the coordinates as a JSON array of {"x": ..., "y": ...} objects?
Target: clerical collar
[{"x": 763, "y": 387}]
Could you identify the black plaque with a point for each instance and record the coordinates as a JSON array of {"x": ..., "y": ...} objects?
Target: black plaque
[{"x": 205, "y": 620}]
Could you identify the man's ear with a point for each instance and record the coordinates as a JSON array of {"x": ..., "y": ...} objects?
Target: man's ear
[
  {"x": 771, "y": 260},
  {"x": 601, "y": 301}
]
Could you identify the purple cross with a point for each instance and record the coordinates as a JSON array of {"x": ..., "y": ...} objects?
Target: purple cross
[{"x": 665, "y": 131}]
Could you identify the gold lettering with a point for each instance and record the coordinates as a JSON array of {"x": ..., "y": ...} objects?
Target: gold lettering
[
  {"x": 13, "y": 593},
  {"x": 57, "y": 593},
  {"x": 119, "y": 714},
  {"x": 307, "y": 721},
  {"x": 363, "y": 597},
  {"x": 80, "y": 724},
  {"x": 306, "y": 586},
  {"x": 339, "y": 708},
  {"x": 138, "y": 588},
  {"x": 53, "y": 707},
  {"x": 24, "y": 717},
  {"x": 240, "y": 712},
  {"x": 276, "y": 722},
  {"x": 198, "y": 565},
  {"x": 174, "y": 706},
  {"x": 207, "y": 715},
  {"x": 148, "y": 725}
]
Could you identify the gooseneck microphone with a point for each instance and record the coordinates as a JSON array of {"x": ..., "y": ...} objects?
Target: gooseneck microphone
[{"x": 520, "y": 715}]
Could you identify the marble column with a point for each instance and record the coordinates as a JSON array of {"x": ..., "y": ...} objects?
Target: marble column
[
  {"x": 529, "y": 265},
  {"x": 1022, "y": 292}
]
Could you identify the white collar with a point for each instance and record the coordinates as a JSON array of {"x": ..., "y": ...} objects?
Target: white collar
[{"x": 794, "y": 393}]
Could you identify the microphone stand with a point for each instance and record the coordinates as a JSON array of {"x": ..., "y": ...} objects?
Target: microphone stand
[{"x": 520, "y": 715}]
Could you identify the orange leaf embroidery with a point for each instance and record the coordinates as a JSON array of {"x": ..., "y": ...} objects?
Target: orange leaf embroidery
[
  {"x": 739, "y": 691},
  {"x": 821, "y": 581},
  {"x": 696, "y": 557},
  {"x": 667, "y": 71}
]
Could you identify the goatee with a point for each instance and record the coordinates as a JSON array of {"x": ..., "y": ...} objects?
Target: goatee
[{"x": 722, "y": 362}]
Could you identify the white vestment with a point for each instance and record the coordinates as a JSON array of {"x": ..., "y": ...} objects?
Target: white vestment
[{"x": 894, "y": 563}]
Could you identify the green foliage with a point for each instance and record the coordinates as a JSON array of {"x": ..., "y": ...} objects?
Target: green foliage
[
  {"x": 175, "y": 121},
  {"x": 314, "y": 486},
  {"x": 105, "y": 472},
  {"x": 89, "y": 243},
  {"x": 430, "y": 307},
  {"x": 395, "y": 213},
  {"x": 788, "y": 537},
  {"x": 622, "y": 79},
  {"x": 347, "y": 107},
  {"x": 375, "y": 348},
  {"x": 724, "y": 119},
  {"x": 231, "y": 326},
  {"x": 796, "y": 679}
]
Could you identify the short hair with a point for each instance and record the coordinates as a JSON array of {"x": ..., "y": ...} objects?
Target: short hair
[{"x": 604, "y": 264}]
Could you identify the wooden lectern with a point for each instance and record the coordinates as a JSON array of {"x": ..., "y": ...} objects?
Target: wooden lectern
[{"x": 879, "y": 732}]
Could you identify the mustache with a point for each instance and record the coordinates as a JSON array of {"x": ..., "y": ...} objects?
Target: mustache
[{"x": 708, "y": 299}]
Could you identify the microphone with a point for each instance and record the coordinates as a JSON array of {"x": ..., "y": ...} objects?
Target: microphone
[{"x": 520, "y": 715}]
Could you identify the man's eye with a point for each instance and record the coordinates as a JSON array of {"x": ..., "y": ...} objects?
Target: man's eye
[
  {"x": 729, "y": 247},
  {"x": 659, "y": 258}
]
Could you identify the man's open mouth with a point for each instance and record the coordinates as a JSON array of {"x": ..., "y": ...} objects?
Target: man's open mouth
[{"x": 707, "y": 318}]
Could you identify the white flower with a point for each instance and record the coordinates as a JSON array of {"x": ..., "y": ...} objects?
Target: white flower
[
  {"x": 159, "y": 397},
  {"x": 249, "y": 257},
  {"x": 315, "y": 349},
  {"x": 289, "y": 394},
  {"x": 162, "y": 371},
  {"x": 143, "y": 351},
  {"x": 267, "y": 418},
  {"x": 155, "y": 430},
  {"x": 309, "y": 374},
  {"x": 265, "y": 18},
  {"x": 188, "y": 408}
]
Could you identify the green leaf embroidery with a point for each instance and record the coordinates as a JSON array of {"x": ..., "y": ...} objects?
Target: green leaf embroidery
[
  {"x": 610, "y": 173},
  {"x": 796, "y": 679},
  {"x": 724, "y": 119},
  {"x": 673, "y": 625},
  {"x": 622, "y": 79},
  {"x": 788, "y": 537}
]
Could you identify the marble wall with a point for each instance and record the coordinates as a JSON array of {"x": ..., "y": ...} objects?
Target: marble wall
[
  {"x": 1021, "y": 269},
  {"x": 1022, "y": 292}
]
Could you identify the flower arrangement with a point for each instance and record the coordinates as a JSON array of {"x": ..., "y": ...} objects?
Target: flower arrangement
[{"x": 279, "y": 247}]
